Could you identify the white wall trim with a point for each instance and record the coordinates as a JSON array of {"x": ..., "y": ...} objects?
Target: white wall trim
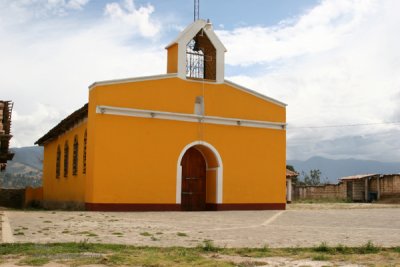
[
  {"x": 219, "y": 170},
  {"x": 163, "y": 115},
  {"x": 134, "y": 79}
]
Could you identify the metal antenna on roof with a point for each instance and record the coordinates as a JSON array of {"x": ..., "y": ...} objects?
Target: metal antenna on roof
[{"x": 196, "y": 9}]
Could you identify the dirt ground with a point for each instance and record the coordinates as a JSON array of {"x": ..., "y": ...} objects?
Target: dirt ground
[{"x": 300, "y": 225}]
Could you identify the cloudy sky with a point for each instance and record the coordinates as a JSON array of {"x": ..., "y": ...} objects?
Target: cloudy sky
[{"x": 334, "y": 62}]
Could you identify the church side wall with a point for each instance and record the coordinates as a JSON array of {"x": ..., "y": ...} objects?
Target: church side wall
[{"x": 64, "y": 191}]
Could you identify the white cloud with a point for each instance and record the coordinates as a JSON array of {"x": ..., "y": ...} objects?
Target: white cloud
[
  {"x": 76, "y": 4},
  {"x": 319, "y": 30},
  {"x": 337, "y": 64},
  {"x": 48, "y": 64},
  {"x": 23, "y": 11},
  {"x": 137, "y": 18},
  {"x": 41, "y": 119}
]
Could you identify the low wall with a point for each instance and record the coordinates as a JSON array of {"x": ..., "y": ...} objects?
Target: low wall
[
  {"x": 33, "y": 196},
  {"x": 329, "y": 191},
  {"x": 12, "y": 198},
  {"x": 390, "y": 185},
  {"x": 21, "y": 198}
]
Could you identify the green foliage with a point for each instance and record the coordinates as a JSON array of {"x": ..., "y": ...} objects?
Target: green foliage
[
  {"x": 265, "y": 249},
  {"x": 323, "y": 247},
  {"x": 290, "y": 168},
  {"x": 369, "y": 248},
  {"x": 208, "y": 246},
  {"x": 312, "y": 178},
  {"x": 145, "y": 234},
  {"x": 295, "y": 180},
  {"x": 342, "y": 249},
  {"x": 181, "y": 234},
  {"x": 320, "y": 257},
  {"x": 34, "y": 261},
  {"x": 84, "y": 244}
]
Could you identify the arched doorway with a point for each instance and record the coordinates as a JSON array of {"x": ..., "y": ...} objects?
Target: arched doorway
[
  {"x": 193, "y": 181},
  {"x": 197, "y": 160}
]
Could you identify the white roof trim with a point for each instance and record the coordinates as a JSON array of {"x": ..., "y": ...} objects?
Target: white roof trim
[
  {"x": 175, "y": 75},
  {"x": 164, "y": 115},
  {"x": 252, "y": 92},
  {"x": 134, "y": 79}
]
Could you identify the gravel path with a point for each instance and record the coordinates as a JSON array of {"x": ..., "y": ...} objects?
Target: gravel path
[{"x": 300, "y": 225}]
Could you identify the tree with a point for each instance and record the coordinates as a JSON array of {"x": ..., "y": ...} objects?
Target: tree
[
  {"x": 313, "y": 178},
  {"x": 295, "y": 180},
  {"x": 290, "y": 168}
]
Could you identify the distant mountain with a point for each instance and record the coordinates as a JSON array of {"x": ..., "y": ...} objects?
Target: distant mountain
[
  {"x": 25, "y": 169},
  {"x": 332, "y": 169}
]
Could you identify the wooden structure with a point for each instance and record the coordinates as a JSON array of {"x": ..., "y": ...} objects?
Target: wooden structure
[
  {"x": 5, "y": 132},
  {"x": 289, "y": 187},
  {"x": 358, "y": 187}
]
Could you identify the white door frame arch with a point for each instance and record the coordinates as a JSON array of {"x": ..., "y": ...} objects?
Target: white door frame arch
[{"x": 218, "y": 170}]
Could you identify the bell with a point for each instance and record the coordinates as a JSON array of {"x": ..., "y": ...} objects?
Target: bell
[{"x": 196, "y": 45}]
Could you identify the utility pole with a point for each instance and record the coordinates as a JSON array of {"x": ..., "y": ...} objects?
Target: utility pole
[{"x": 196, "y": 10}]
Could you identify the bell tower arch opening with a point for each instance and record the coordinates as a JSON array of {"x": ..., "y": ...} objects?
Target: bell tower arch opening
[
  {"x": 197, "y": 53},
  {"x": 201, "y": 58}
]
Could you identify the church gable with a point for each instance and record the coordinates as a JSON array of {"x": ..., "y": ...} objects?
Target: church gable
[
  {"x": 197, "y": 53},
  {"x": 189, "y": 98}
]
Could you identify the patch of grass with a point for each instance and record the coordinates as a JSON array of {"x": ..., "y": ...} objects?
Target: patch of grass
[
  {"x": 181, "y": 234},
  {"x": 34, "y": 261},
  {"x": 265, "y": 248},
  {"x": 208, "y": 246},
  {"x": 47, "y": 221},
  {"x": 84, "y": 244},
  {"x": 19, "y": 233},
  {"x": 87, "y": 233},
  {"x": 117, "y": 233},
  {"x": 320, "y": 257},
  {"x": 207, "y": 254},
  {"x": 153, "y": 238},
  {"x": 323, "y": 247},
  {"x": 159, "y": 233},
  {"x": 145, "y": 234},
  {"x": 66, "y": 231},
  {"x": 92, "y": 234},
  {"x": 342, "y": 249},
  {"x": 369, "y": 248}
]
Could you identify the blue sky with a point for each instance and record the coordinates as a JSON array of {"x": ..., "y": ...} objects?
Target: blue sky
[
  {"x": 334, "y": 62},
  {"x": 230, "y": 14}
]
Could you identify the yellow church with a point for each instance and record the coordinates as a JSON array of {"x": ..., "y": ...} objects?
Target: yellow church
[{"x": 188, "y": 140}]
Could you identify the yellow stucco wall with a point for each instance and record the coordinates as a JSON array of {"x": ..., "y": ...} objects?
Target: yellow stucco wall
[
  {"x": 72, "y": 187},
  {"x": 172, "y": 65},
  {"x": 134, "y": 160}
]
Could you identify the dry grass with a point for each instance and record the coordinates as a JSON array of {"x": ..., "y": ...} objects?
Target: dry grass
[{"x": 208, "y": 254}]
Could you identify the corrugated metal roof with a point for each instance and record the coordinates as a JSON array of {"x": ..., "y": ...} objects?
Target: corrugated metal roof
[
  {"x": 290, "y": 173},
  {"x": 358, "y": 176}
]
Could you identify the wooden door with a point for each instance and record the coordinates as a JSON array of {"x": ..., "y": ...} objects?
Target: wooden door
[
  {"x": 193, "y": 181},
  {"x": 349, "y": 190}
]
